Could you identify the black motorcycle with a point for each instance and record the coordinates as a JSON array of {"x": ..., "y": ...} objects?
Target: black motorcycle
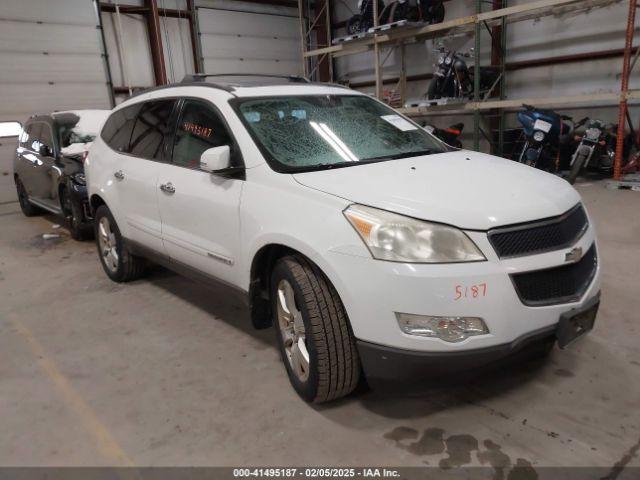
[
  {"x": 596, "y": 149},
  {"x": 452, "y": 77},
  {"x": 450, "y": 135},
  {"x": 427, "y": 11},
  {"x": 363, "y": 21}
]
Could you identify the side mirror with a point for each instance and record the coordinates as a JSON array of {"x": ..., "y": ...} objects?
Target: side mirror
[{"x": 215, "y": 159}]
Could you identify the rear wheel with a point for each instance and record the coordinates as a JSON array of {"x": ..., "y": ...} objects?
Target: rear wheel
[
  {"x": 316, "y": 343},
  {"x": 118, "y": 262},
  {"x": 28, "y": 208}
]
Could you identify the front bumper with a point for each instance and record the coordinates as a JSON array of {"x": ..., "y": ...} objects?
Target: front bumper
[
  {"x": 382, "y": 364},
  {"x": 372, "y": 291},
  {"x": 79, "y": 195}
]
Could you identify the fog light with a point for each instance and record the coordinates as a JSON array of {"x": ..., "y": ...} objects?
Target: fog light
[{"x": 449, "y": 329}]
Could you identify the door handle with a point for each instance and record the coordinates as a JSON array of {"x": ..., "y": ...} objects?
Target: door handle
[
  {"x": 168, "y": 188},
  {"x": 119, "y": 175}
]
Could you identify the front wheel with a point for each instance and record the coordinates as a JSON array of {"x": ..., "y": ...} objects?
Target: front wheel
[
  {"x": 117, "y": 261},
  {"x": 434, "y": 89},
  {"x": 576, "y": 167},
  {"x": 314, "y": 337},
  {"x": 354, "y": 25}
]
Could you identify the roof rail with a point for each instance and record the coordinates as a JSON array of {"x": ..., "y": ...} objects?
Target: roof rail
[{"x": 201, "y": 77}]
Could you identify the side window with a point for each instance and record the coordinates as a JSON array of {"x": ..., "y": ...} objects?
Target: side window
[
  {"x": 118, "y": 127},
  {"x": 151, "y": 129},
  {"x": 46, "y": 136},
  {"x": 24, "y": 136},
  {"x": 199, "y": 128}
]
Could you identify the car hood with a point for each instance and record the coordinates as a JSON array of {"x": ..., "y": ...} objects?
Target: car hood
[{"x": 466, "y": 189}]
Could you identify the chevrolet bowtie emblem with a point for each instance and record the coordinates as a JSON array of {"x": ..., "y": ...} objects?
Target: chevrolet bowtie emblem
[{"x": 574, "y": 255}]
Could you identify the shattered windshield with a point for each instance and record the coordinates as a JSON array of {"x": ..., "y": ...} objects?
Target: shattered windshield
[
  {"x": 78, "y": 129},
  {"x": 325, "y": 131}
]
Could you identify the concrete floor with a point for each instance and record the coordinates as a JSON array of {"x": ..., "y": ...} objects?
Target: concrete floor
[{"x": 164, "y": 371}]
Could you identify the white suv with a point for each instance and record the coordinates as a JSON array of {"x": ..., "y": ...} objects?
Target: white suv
[{"x": 372, "y": 246}]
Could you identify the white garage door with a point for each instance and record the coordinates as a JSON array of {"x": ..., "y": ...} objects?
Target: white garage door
[
  {"x": 50, "y": 59},
  {"x": 245, "y": 42}
]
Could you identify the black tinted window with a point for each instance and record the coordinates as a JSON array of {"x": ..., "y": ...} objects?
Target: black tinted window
[
  {"x": 117, "y": 129},
  {"x": 199, "y": 128},
  {"x": 151, "y": 129},
  {"x": 46, "y": 135}
]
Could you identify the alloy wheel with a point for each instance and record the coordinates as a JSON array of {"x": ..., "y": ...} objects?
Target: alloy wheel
[
  {"x": 292, "y": 331},
  {"x": 108, "y": 245}
]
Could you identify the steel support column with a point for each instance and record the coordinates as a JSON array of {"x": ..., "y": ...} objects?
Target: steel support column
[
  {"x": 155, "y": 41},
  {"x": 376, "y": 52},
  {"x": 626, "y": 73},
  {"x": 193, "y": 29},
  {"x": 476, "y": 79},
  {"x": 323, "y": 38}
]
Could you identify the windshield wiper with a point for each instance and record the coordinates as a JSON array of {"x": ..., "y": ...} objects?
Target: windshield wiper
[
  {"x": 321, "y": 166},
  {"x": 397, "y": 156},
  {"x": 417, "y": 153}
]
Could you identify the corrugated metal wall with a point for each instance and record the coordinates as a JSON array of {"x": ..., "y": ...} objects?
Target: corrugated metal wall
[
  {"x": 51, "y": 59},
  {"x": 249, "y": 42}
]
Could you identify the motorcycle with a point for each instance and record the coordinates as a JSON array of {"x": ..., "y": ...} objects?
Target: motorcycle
[
  {"x": 449, "y": 135},
  {"x": 596, "y": 147},
  {"x": 454, "y": 79},
  {"x": 545, "y": 131},
  {"x": 427, "y": 11},
  {"x": 363, "y": 21}
]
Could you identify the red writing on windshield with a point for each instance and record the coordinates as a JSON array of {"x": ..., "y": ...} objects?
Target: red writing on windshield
[{"x": 197, "y": 129}]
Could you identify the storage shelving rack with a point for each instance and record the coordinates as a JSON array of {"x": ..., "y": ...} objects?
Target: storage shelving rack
[{"x": 495, "y": 21}]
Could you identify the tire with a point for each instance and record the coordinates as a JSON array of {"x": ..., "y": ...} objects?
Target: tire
[
  {"x": 432, "y": 92},
  {"x": 437, "y": 14},
  {"x": 354, "y": 25},
  {"x": 123, "y": 266},
  {"x": 73, "y": 215},
  {"x": 576, "y": 167},
  {"x": 316, "y": 317},
  {"x": 28, "y": 208}
]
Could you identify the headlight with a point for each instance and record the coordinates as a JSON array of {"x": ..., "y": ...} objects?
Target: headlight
[
  {"x": 592, "y": 134},
  {"x": 440, "y": 60},
  {"x": 80, "y": 178},
  {"x": 538, "y": 136},
  {"x": 448, "y": 60},
  {"x": 397, "y": 238}
]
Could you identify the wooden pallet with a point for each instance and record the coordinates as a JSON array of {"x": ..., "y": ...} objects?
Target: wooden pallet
[
  {"x": 377, "y": 30},
  {"x": 349, "y": 38},
  {"x": 436, "y": 102}
]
